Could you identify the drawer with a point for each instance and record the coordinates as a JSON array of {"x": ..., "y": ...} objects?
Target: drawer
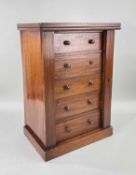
[
  {"x": 81, "y": 124},
  {"x": 68, "y": 87},
  {"x": 72, "y": 42},
  {"x": 77, "y": 104},
  {"x": 77, "y": 65}
]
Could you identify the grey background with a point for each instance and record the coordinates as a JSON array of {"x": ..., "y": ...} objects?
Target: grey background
[{"x": 114, "y": 155}]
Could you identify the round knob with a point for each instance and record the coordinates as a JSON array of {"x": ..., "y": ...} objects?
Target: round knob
[
  {"x": 89, "y": 101},
  {"x": 66, "y": 42},
  {"x": 90, "y": 83},
  {"x": 66, "y": 87},
  {"x": 67, "y": 129},
  {"x": 90, "y": 62},
  {"x": 66, "y": 108},
  {"x": 90, "y": 122},
  {"x": 91, "y": 41},
  {"x": 66, "y": 65}
]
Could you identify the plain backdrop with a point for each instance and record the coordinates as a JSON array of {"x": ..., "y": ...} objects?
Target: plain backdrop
[{"x": 11, "y": 85}]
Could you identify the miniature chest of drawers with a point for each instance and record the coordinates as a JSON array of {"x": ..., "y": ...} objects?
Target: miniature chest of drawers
[{"x": 67, "y": 70}]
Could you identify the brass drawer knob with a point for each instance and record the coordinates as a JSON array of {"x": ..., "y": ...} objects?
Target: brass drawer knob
[
  {"x": 90, "y": 122},
  {"x": 66, "y": 65},
  {"x": 90, "y": 62},
  {"x": 89, "y": 101},
  {"x": 90, "y": 83},
  {"x": 66, "y": 108},
  {"x": 66, "y": 87},
  {"x": 66, "y": 42},
  {"x": 67, "y": 129},
  {"x": 91, "y": 41}
]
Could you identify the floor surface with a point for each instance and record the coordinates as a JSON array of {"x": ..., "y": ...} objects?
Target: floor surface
[{"x": 115, "y": 155}]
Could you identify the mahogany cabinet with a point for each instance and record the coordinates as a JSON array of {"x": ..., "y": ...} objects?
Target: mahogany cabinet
[{"x": 67, "y": 70}]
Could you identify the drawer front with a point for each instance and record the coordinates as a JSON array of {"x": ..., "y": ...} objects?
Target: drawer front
[
  {"x": 72, "y": 42},
  {"x": 77, "y": 66},
  {"x": 81, "y": 103},
  {"x": 83, "y": 123},
  {"x": 68, "y": 87}
]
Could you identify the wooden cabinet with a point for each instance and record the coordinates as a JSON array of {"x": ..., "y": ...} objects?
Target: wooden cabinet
[{"x": 67, "y": 71}]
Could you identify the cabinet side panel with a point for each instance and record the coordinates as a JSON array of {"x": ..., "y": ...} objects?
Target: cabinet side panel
[{"x": 33, "y": 74}]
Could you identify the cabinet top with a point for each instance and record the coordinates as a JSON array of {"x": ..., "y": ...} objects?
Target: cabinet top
[{"x": 68, "y": 26}]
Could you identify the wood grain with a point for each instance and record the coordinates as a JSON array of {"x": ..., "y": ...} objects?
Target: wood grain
[
  {"x": 107, "y": 77},
  {"x": 78, "y": 42},
  {"x": 33, "y": 74},
  {"x": 77, "y": 85},
  {"x": 48, "y": 55},
  {"x": 69, "y": 26},
  {"x": 67, "y": 70},
  {"x": 76, "y": 104},
  {"x": 83, "y": 123},
  {"x": 79, "y": 65}
]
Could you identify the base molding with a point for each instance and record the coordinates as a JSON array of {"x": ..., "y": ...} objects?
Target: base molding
[{"x": 70, "y": 144}]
